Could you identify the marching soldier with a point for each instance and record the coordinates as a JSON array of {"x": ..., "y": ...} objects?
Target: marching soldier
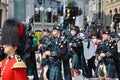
[
  {"x": 76, "y": 48},
  {"x": 12, "y": 67},
  {"x": 75, "y": 57},
  {"x": 42, "y": 48},
  {"x": 44, "y": 40},
  {"x": 55, "y": 54},
  {"x": 65, "y": 31},
  {"x": 91, "y": 61},
  {"x": 107, "y": 56}
]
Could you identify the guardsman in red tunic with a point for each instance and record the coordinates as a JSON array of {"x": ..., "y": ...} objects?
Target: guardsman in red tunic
[{"x": 12, "y": 67}]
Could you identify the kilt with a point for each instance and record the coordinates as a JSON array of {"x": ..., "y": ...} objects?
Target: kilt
[
  {"x": 78, "y": 62},
  {"x": 55, "y": 72},
  {"x": 111, "y": 70},
  {"x": 67, "y": 72},
  {"x": 75, "y": 62},
  {"x": 54, "y": 69}
]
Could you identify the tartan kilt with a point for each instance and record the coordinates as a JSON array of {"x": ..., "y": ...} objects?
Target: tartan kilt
[
  {"x": 55, "y": 73},
  {"x": 54, "y": 69},
  {"x": 67, "y": 72},
  {"x": 75, "y": 62},
  {"x": 111, "y": 70}
]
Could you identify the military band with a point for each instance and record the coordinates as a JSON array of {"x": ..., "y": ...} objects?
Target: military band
[
  {"x": 76, "y": 55},
  {"x": 62, "y": 50}
]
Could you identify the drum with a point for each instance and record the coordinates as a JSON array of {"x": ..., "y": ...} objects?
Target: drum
[{"x": 89, "y": 49}]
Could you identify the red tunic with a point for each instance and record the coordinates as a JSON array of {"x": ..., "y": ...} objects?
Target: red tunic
[{"x": 12, "y": 70}]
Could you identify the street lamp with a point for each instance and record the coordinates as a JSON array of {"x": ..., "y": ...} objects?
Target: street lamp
[
  {"x": 37, "y": 9},
  {"x": 49, "y": 9},
  {"x": 41, "y": 9}
]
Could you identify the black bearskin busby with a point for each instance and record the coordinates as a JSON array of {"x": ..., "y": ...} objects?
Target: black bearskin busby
[{"x": 13, "y": 33}]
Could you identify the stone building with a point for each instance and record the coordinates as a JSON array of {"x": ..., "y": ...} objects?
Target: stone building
[
  {"x": 3, "y": 11},
  {"x": 112, "y": 7},
  {"x": 25, "y": 9}
]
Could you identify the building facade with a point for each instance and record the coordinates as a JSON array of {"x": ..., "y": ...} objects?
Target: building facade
[
  {"x": 112, "y": 7},
  {"x": 92, "y": 16},
  {"x": 45, "y": 14},
  {"x": 25, "y": 9},
  {"x": 3, "y": 11},
  {"x": 82, "y": 19},
  {"x": 96, "y": 12}
]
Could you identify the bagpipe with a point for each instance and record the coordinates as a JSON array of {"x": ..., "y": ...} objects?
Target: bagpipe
[
  {"x": 60, "y": 46},
  {"x": 76, "y": 44},
  {"x": 46, "y": 44},
  {"x": 88, "y": 48},
  {"x": 86, "y": 44},
  {"x": 111, "y": 46}
]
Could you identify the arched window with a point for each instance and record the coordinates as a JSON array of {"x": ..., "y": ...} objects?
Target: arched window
[{"x": 20, "y": 9}]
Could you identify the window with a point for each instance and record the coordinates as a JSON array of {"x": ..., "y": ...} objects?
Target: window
[
  {"x": 19, "y": 9},
  {"x": 46, "y": 15}
]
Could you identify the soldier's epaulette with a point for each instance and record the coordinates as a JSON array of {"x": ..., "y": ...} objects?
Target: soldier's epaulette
[{"x": 19, "y": 63}]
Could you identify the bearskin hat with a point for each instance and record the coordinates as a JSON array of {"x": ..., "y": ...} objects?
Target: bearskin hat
[{"x": 13, "y": 33}]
